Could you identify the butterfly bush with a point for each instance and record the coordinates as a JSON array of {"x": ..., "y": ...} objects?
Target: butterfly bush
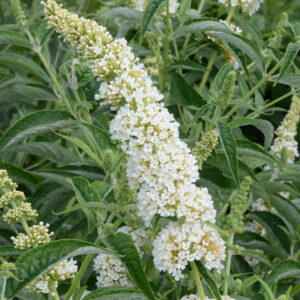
[
  {"x": 16, "y": 210},
  {"x": 160, "y": 166},
  {"x": 248, "y": 6}
]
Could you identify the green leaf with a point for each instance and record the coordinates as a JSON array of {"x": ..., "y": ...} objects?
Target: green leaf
[
  {"x": 229, "y": 147},
  {"x": 186, "y": 65},
  {"x": 266, "y": 287},
  {"x": 124, "y": 13},
  {"x": 257, "y": 255},
  {"x": 19, "y": 175},
  {"x": 99, "y": 137},
  {"x": 289, "y": 56},
  {"x": 273, "y": 224},
  {"x": 289, "y": 79},
  {"x": 26, "y": 94},
  {"x": 285, "y": 269},
  {"x": 286, "y": 209},
  {"x": 85, "y": 193},
  {"x": 83, "y": 146},
  {"x": 210, "y": 283},
  {"x": 182, "y": 93},
  {"x": 123, "y": 245},
  {"x": 263, "y": 125},
  {"x": 35, "y": 123},
  {"x": 10, "y": 251},
  {"x": 243, "y": 44},
  {"x": 115, "y": 293},
  {"x": 249, "y": 148},
  {"x": 220, "y": 77},
  {"x": 41, "y": 259},
  {"x": 152, "y": 7},
  {"x": 251, "y": 240},
  {"x": 200, "y": 26},
  {"x": 50, "y": 151},
  {"x": 14, "y": 38},
  {"x": 19, "y": 62}
]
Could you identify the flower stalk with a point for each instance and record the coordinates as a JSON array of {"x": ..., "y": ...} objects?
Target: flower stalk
[{"x": 197, "y": 280}]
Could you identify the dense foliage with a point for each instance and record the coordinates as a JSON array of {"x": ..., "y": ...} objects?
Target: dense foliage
[{"x": 149, "y": 149}]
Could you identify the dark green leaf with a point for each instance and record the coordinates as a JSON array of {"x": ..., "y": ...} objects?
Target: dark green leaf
[
  {"x": 285, "y": 269},
  {"x": 14, "y": 38},
  {"x": 9, "y": 251},
  {"x": 19, "y": 62},
  {"x": 123, "y": 245},
  {"x": 115, "y": 293},
  {"x": 182, "y": 93},
  {"x": 229, "y": 147},
  {"x": 243, "y": 44},
  {"x": 263, "y": 125},
  {"x": 210, "y": 283},
  {"x": 50, "y": 151},
  {"x": 35, "y": 123},
  {"x": 39, "y": 260},
  {"x": 200, "y": 26},
  {"x": 289, "y": 56},
  {"x": 152, "y": 7}
]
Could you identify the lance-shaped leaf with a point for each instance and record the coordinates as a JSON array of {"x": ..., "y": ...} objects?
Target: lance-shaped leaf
[
  {"x": 123, "y": 245},
  {"x": 35, "y": 123},
  {"x": 19, "y": 62},
  {"x": 210, "y": 283},
  {"x": 115, "y": 293},
  {"x": 149, "y": 12},
  {"x": 285, "y": 269},
  {"x": 229, "y": 147},
  {"x": 289, "y": 56},
  {"x": 39, "y": 260}
]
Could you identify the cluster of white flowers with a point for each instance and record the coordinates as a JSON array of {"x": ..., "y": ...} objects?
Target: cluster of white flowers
[
  {"x": 39, "y": 235},
  {"x": 177, "y": 245},
  {"x": 196, "y": 297},
  {"x": 287, "y": 132},
  {"x": 63, "y": 271},
  {"x": 111, "y": 270},
  {"x": 142, "y": 4},
  {"x": 248, "y": 6},
  {"x": 160, "y": 166}
]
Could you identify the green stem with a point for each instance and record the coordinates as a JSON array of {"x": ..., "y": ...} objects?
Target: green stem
[
  {"x": 214, "y": 118},
  {"x": 197, "y": 280},
  {"x": 230, "y": 14},
  {"x": 166, "y": 47},
  {"x": 211, "y": 62},
  {"x": 200, "y": 7},
  {"x": 57, "y": 86},
  {"x": 22, "y": 220},
  {"x": 53, "y": 289},
  {"x": 254, "y": 89},
  {"x": 295, "y": 290},
  {"x": 3, "y": 288},
  {"x": 76, "y": 281},
  {"x": 228, "y": 264},
  {"x": 270, "y": 104}
]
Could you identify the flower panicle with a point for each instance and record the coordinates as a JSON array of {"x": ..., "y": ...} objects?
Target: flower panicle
[
  {"x": 239, "y": 205},
  {"x": 203, "y": 149},
  {"x": 18, "y": 12},
  {"x": 285, "y": 143}
]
